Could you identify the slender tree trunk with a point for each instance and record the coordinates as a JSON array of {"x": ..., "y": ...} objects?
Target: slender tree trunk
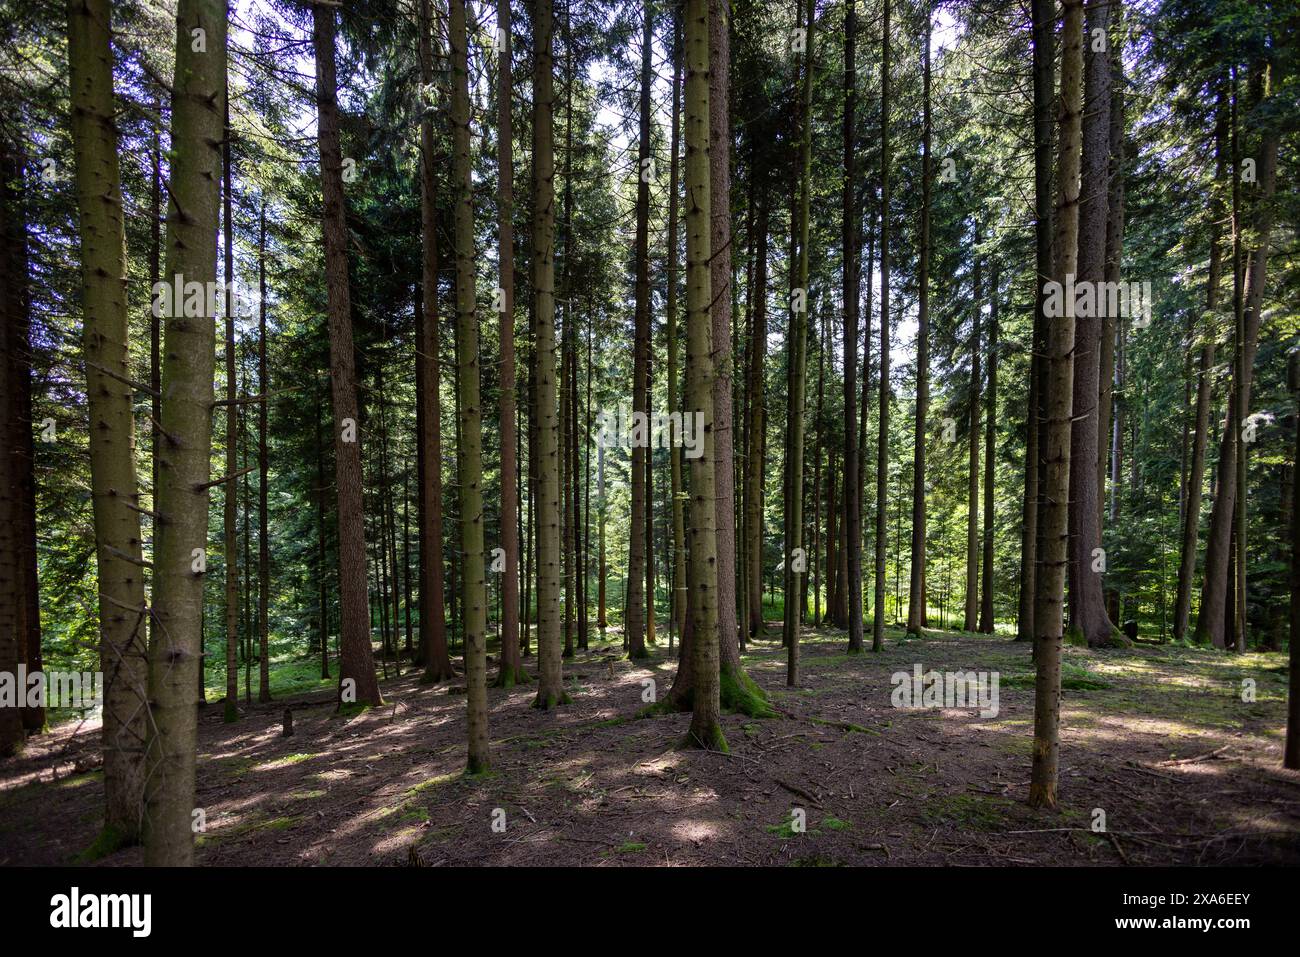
[
  {"x": 1088, "y": 617},
  {"x": 757, "y": 420},
  {"x": 706, "y": 727},
  {"x": 230, "y": 489},
  {"x": 263, "y": 542},
  {"x": 882, "y": 417},
  {"x": 322, "y": 571},
  {"x": 1049, "y": 600},
  {"x": 671, "y": 386},
  {"x": 1291, "y": 755},
  {"x": 18, "y": 350},
  {"x": 1044, "y": 67},
  {"x": 734, "y": 680},
  {"x": 180, "y": 540},
  {"x": 433, "y": 626},
  {"x": 916, "y": 589},
  {"x": 511, "y": 671},
  {"x": 1114, "y": 259},
  {"x": 550, "y": 688},
  {"x": 636, "y": 597},
  {"x": 356, "y": 664},
  {"x": 797, "y": 351},
  {"x": 1204, "y": 379},
  {"x": 114, "y": 492},
  {"x": 969, "y": 622},
  {"x": 986, "y": 625},
  {"x": 1210, "y": 623},
  {"x": 95, "y": 290},
  {"x": 469, "y": 433}
]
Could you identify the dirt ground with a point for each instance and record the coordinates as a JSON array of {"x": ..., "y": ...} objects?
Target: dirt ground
[{"x": 1157, "y": 737}]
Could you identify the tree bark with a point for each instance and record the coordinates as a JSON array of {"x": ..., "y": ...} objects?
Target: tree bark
[
  {"x": 511, "y": 671},
  {"x": 1207, "y": 333},
  {"x": 469, "y": 438},
  {"x": 175, "y": 649},
  {"x": 550, "y": 688},
  {"x": 969, "y": 622},
  {"x": 1210, "y": 623},
  {"x": 986, "y": 624},
  {"x": 433, "y": 623},
  {"x": 1088, "y": 616},
  {"x": 637, "y": 542},
  {"x": 1049, "y": 599},
  {"x": 706, "y": 726},
  {"x": 1043, "y": 13},
  {"x": 263, "y": 473},
  {"x": 916, "y": 588},
  {"x": 797, "y": 351},
  {"x": 882, "y": 416},
  {"x": 230, "y": 488}
]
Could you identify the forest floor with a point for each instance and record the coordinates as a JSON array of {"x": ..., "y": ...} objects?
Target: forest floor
[{"x": 1157, "y": 737}]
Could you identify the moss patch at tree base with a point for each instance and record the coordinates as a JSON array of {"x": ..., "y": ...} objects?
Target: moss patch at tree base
[
  {"x": 509, "y": 677},
  {"x": 551, "y": 701},
  {"x": 109, "y": 840},
  {"x": 738, "y": 693},
  {"x": 712, "y": 740}
]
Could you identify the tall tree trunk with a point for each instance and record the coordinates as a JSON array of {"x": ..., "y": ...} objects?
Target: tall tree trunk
[
  {"x": 1291, "y": 754},
  {"x": 263, "y": 542},
  {"x": 882, "y": 416},
  {"x": 1088, "y": 617},
  {"x": 175, "y": 650},
  {"x": 13, "y": 248},
  {"x": 1043, "y": 13},
  {"x": 706, "y": 726},
  {"x": 322, "y": 571},
  {"x": 356, "y": 661},
  {"x": 230, "y": 489},
  {"x": 1210, "y": 623},
  {"x": 797, "y": 352},
  {"x": 1205, "y": 374},
  {"x": 550, "y": 688},
  {"x": 735, "y": 683},
  {"x": 114, "y": 492},
  {"x": 1052, "y": 555},
  {"x": 636, "y": 562},
  {"x": 916, "y": 589},
  {"x": 433, "y": 626},
  {"x": 757, "y": 423},
  {"x": 973, "y": 465},
  {"x": 1114, "y": 258},
  {"x": 469, "y": 433},
  {"x": 511, "y": 671},
  {"x": 671, "y": 386},
  {"x": 990, "y": 445},
  {"x": 13, "y": 603}
]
